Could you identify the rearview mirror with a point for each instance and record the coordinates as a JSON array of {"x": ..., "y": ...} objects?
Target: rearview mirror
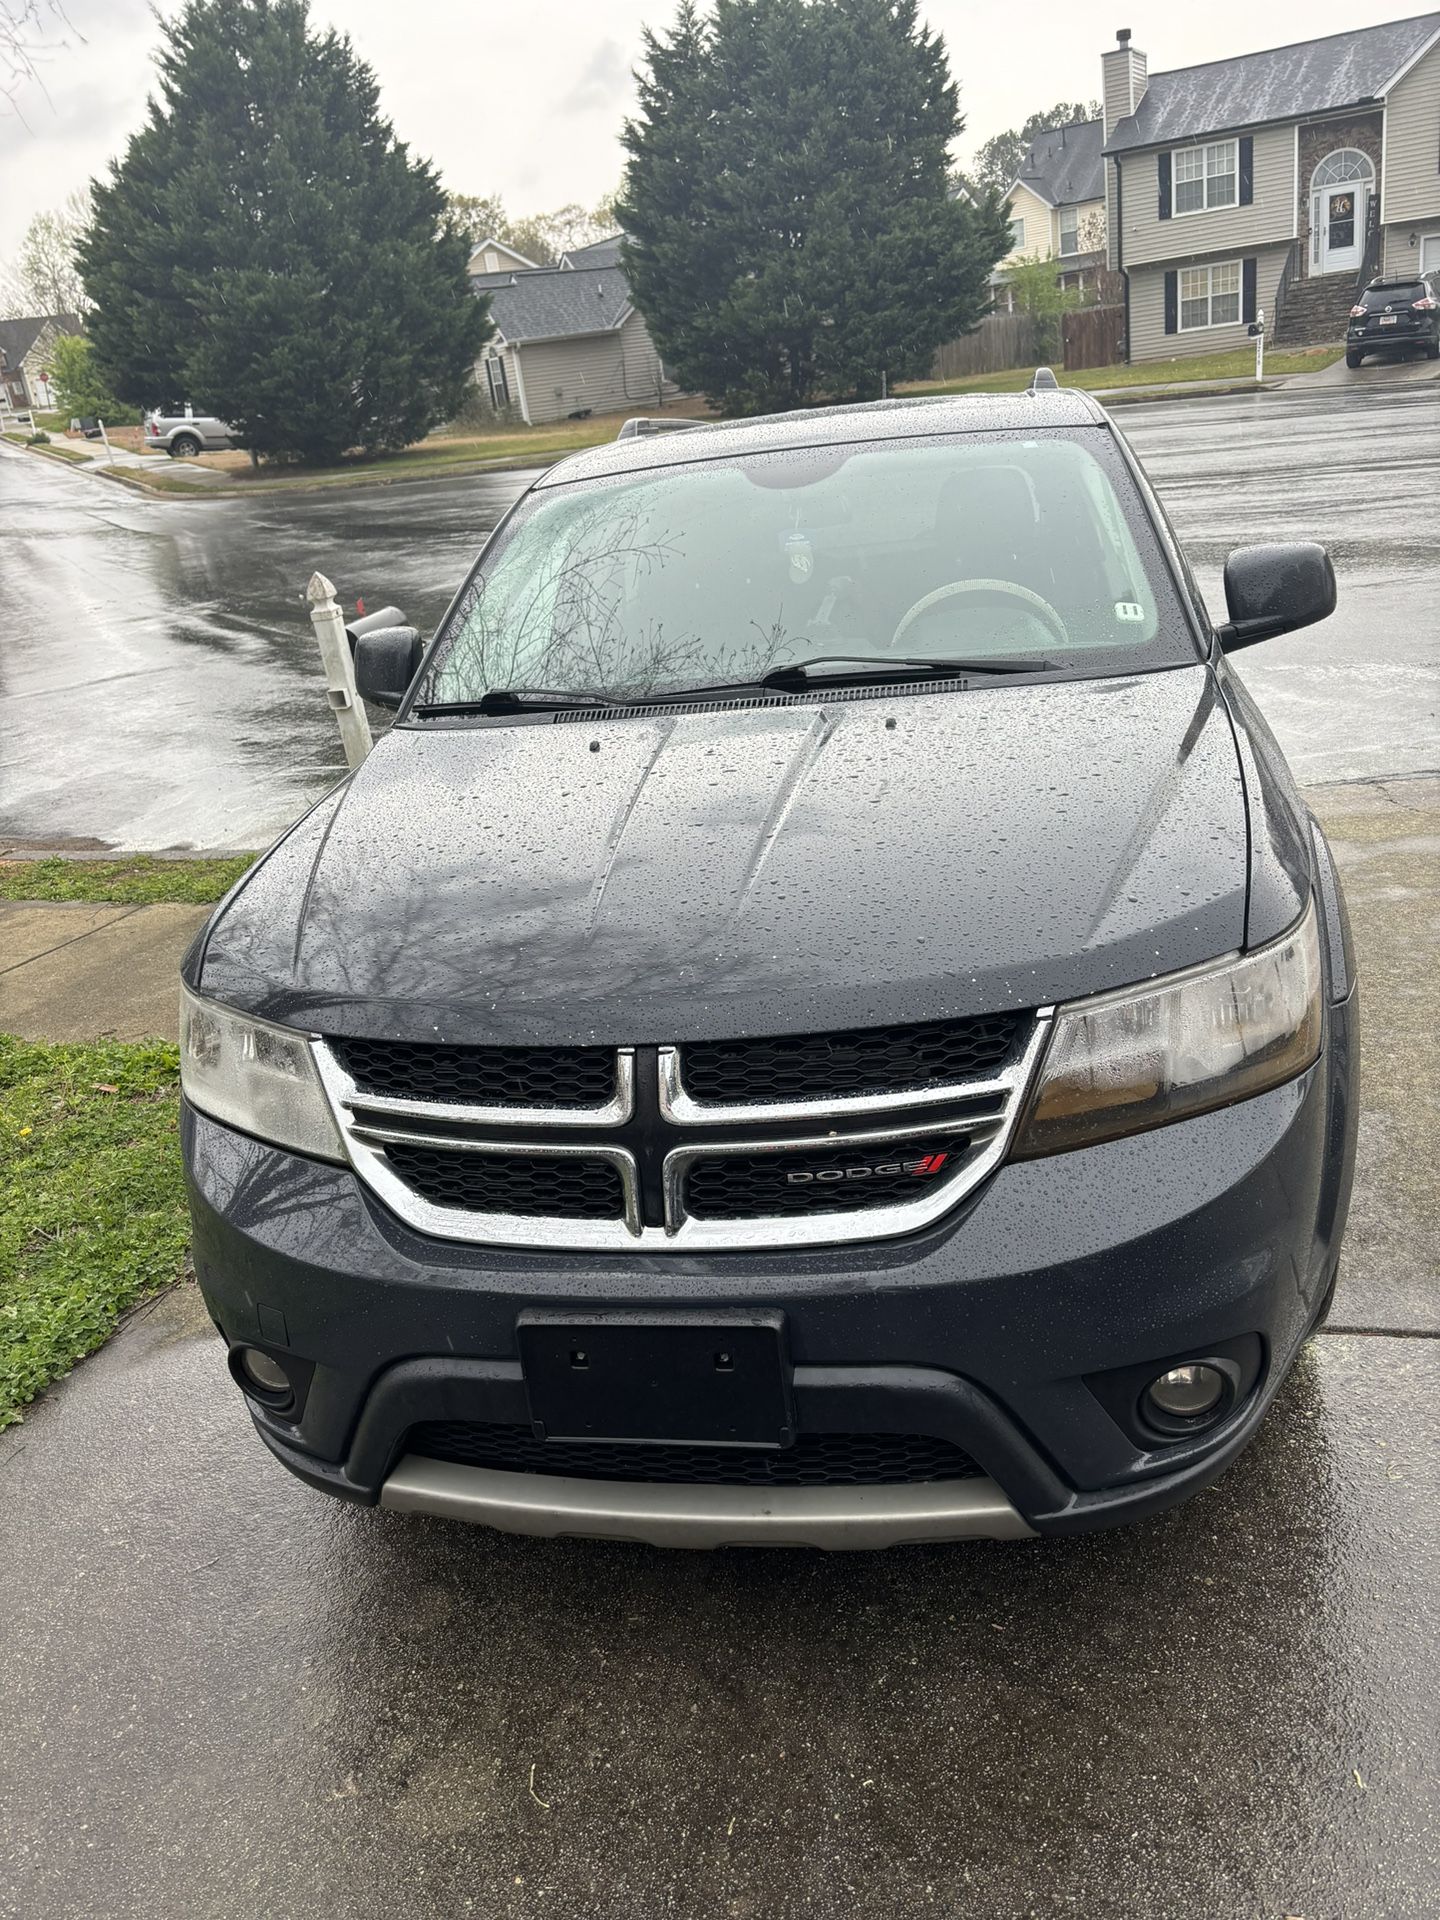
[
  {"x": 386, "y": 661},
  {"x": 1270, "y": 590}
]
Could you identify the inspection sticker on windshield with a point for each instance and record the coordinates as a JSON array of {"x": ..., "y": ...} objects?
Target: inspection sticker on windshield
[{"x": 1128, "y": 610}]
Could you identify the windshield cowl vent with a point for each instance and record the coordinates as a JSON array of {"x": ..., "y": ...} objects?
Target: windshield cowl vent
[{"x": 739, "y": 703}]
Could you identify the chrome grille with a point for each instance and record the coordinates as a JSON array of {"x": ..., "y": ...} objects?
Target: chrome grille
[{"x": 644, "y": 1163}]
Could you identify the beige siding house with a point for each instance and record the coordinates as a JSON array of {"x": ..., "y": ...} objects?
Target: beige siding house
[
  {"x": 1057, "y": 207},
  {"x": 1272, "y": 184},
  {"x": 568, "y": 340},
  {"x": 26, "y": 347}
]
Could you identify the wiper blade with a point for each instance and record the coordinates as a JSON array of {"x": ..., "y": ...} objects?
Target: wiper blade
[
  {"x": 795, "y": 674},
  {"x": 520, "y": 700},
  {"x": 798, "y": 672}
]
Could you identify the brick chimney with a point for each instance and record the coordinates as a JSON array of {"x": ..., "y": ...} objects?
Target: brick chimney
[{"x": 1123, "y": 70}]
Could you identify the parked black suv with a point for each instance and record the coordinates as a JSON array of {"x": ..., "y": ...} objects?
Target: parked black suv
[
  {"x": 825, "y": 1018},
  {"x": 1392, "y": 316}
]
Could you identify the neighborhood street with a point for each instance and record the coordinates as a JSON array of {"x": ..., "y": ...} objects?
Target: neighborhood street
[
  {"x": 166, "y": 643},
  {"x": 228, "y": 1693}
]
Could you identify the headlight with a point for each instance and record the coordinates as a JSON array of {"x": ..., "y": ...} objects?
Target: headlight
[
  {"x": 256, "y": 1077},
  {"x": 1148, "y": 1055}
]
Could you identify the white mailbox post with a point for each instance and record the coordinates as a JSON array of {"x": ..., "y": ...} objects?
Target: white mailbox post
[{"x": 329, "y": 624}]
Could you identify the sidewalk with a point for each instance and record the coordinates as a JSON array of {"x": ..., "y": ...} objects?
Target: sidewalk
[
  {"x": 76, "y": 971},
  {"x": 120, "y": 460}
]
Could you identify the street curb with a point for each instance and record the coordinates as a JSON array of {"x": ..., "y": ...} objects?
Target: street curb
[
  {"x": 347, "y": 483},
  {"x": 1151, "y": 396},
  {"x": 53, "y": 453}
]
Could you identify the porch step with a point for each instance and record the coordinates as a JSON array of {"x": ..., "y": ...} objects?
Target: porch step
[{"x": 1315, "y": 311}]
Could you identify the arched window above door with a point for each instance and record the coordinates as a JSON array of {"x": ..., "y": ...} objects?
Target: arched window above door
[{"x": 1346, "y": 163}]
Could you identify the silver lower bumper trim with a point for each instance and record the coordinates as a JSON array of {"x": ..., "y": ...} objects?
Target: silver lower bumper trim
[{"x": 704, "y": 1516}]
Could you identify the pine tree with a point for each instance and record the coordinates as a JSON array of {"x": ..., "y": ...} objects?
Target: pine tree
[
  {"x": 792, "y": 233},
  {"x": 268, "y": 249}
]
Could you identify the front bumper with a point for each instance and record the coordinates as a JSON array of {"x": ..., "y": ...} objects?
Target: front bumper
[{"x": 988, "y": 1331}]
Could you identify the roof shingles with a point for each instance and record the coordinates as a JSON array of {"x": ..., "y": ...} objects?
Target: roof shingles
[
  {"x": 1282, "y": 83},
  {"x": 564, "y": 302},
  {"x": 17, "y": 337},
  {"x": 1064, "y": 165}
]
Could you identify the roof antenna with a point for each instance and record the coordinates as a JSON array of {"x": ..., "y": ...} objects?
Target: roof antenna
[{"x": 1043, "y": 381}]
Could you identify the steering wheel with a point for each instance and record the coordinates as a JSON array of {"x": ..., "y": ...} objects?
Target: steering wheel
[{"x": 975, "y": 589}]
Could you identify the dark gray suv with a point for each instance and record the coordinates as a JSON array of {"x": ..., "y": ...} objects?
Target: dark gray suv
[{"x": 825, "y": 1019}]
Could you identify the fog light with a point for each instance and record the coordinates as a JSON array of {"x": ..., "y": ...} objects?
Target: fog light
[
  {"x": 1186, "y": 1393},
  {"x": 264, "y": 1374}
]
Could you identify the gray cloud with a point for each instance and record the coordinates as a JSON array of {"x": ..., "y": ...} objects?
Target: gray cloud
[
  {"x": 604, "y": 82},
  {"x": 476, "y": 88}
]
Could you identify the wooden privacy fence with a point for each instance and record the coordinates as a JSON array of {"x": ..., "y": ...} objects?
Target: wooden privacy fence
[
  {"x": 1093, "y": 337},
  {"x": 1001, "y": 341}
]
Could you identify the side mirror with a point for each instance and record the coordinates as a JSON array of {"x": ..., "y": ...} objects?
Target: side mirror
[
  {"x": 386, "y": 661},
  {"x": 1270, "y": 590}
]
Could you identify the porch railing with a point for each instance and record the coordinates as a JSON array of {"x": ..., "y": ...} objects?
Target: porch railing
[
  {"x": 1287, "y": 274},
  {"x": 1370, "y": 260}
]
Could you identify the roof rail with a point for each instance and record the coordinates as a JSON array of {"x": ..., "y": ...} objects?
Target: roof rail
[
  {"x": 633, "y": 429},
  {"x": 1042, "y": 381}
]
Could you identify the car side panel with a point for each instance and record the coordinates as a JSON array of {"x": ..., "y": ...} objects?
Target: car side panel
[{"x": 1281, "y": 851}]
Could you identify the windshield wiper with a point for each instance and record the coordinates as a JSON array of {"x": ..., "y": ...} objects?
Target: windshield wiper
[
  {"x": 519, "y": 699},
  {"x": 798, "y": 672},
  {"x": 795, "y": 674}
]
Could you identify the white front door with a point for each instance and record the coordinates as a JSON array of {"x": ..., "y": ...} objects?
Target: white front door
[{"x": 1342, "y": 227}]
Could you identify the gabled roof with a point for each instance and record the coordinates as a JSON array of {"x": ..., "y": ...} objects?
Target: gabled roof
[
  {"x": 599, "y": 253},
  {"x": 1283, "y": 83},
  {"x": 1064, "y": 165},
  {"x": 560, "y": 302},
  {"x": 17, "y": 337},
  {"x": 512, "y": 255}
]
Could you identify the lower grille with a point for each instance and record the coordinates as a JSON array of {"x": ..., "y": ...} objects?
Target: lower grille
[
  {"x": 815, "y": 1460},
  {"x": 765, "y": 1186},
  {"x": 536, "y": 1186}
]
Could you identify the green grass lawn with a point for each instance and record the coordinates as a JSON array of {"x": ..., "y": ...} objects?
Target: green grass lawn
[
  {"x": 92, "y": 1206},
  {"x": 1239, "y": 365},
  {"x": 454, "y": 452},
  {"x": 138, "y": 881}
]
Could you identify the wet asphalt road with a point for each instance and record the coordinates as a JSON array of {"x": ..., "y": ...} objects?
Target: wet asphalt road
[
  {"x": 225, "y": 1694},
  {"x": 159, "y": 680},
  {"x": 159, "y": 683}
]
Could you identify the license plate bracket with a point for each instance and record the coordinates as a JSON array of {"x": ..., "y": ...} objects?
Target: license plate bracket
[{"x": 700, "y": 1379}]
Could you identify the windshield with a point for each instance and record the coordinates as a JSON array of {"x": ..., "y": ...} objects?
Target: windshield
[{"x": 723, "y": 570}]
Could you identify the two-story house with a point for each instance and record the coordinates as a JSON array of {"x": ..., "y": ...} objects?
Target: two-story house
[
  {"x": 1274, "y": 182},
  {"x": 1057, "y": 206}
]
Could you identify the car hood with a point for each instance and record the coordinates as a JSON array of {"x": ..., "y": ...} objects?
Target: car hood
[{"x": 778, "y": 868}]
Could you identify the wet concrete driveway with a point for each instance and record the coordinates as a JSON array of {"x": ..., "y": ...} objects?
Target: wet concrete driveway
[{"x": 226, "y": 1695}]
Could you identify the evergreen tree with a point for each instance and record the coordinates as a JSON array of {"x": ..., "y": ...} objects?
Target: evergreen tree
[
  {"x": 268, "y": 248},
  {"x": 792, "y": 233}
]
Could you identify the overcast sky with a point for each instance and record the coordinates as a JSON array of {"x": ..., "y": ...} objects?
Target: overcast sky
[{"x": 527, "y": 101}]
